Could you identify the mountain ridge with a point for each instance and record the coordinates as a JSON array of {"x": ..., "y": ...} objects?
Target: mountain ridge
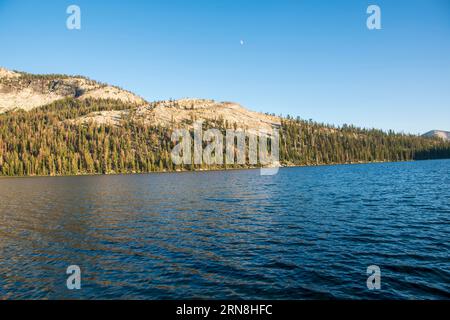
[{"x": 19, "y": 90}]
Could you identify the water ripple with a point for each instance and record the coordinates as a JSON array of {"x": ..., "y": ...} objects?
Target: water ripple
[{"x": 306, "y": 233}]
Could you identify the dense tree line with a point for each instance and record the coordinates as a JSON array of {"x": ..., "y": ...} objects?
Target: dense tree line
[
  {"x": 310, "y": 143},
  {"x": 44, "y": 141}
]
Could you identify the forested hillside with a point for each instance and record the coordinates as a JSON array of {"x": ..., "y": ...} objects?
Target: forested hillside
[{"x": 45, "y": 141}]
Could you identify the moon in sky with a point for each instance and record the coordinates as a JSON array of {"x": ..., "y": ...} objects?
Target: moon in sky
[{"x": 242, "y": 42}]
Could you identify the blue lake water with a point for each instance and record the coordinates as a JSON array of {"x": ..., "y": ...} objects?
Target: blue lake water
[{"x": 305, "y": 233}]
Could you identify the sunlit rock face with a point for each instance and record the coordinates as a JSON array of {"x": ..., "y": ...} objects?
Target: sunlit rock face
[{"x": 25, "y": 91}]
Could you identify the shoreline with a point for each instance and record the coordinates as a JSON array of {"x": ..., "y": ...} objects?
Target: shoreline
[{"x": 212, "y": 170}]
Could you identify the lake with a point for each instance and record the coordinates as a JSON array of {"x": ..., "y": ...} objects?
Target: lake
[{"x": 305, "y": 233}]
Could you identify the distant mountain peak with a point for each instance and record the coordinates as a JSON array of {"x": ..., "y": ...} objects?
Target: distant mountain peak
[{"x": 439, "y": 134}]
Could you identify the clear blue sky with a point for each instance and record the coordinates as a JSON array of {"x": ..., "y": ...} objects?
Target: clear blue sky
[{"x": 314, "y": 59}]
